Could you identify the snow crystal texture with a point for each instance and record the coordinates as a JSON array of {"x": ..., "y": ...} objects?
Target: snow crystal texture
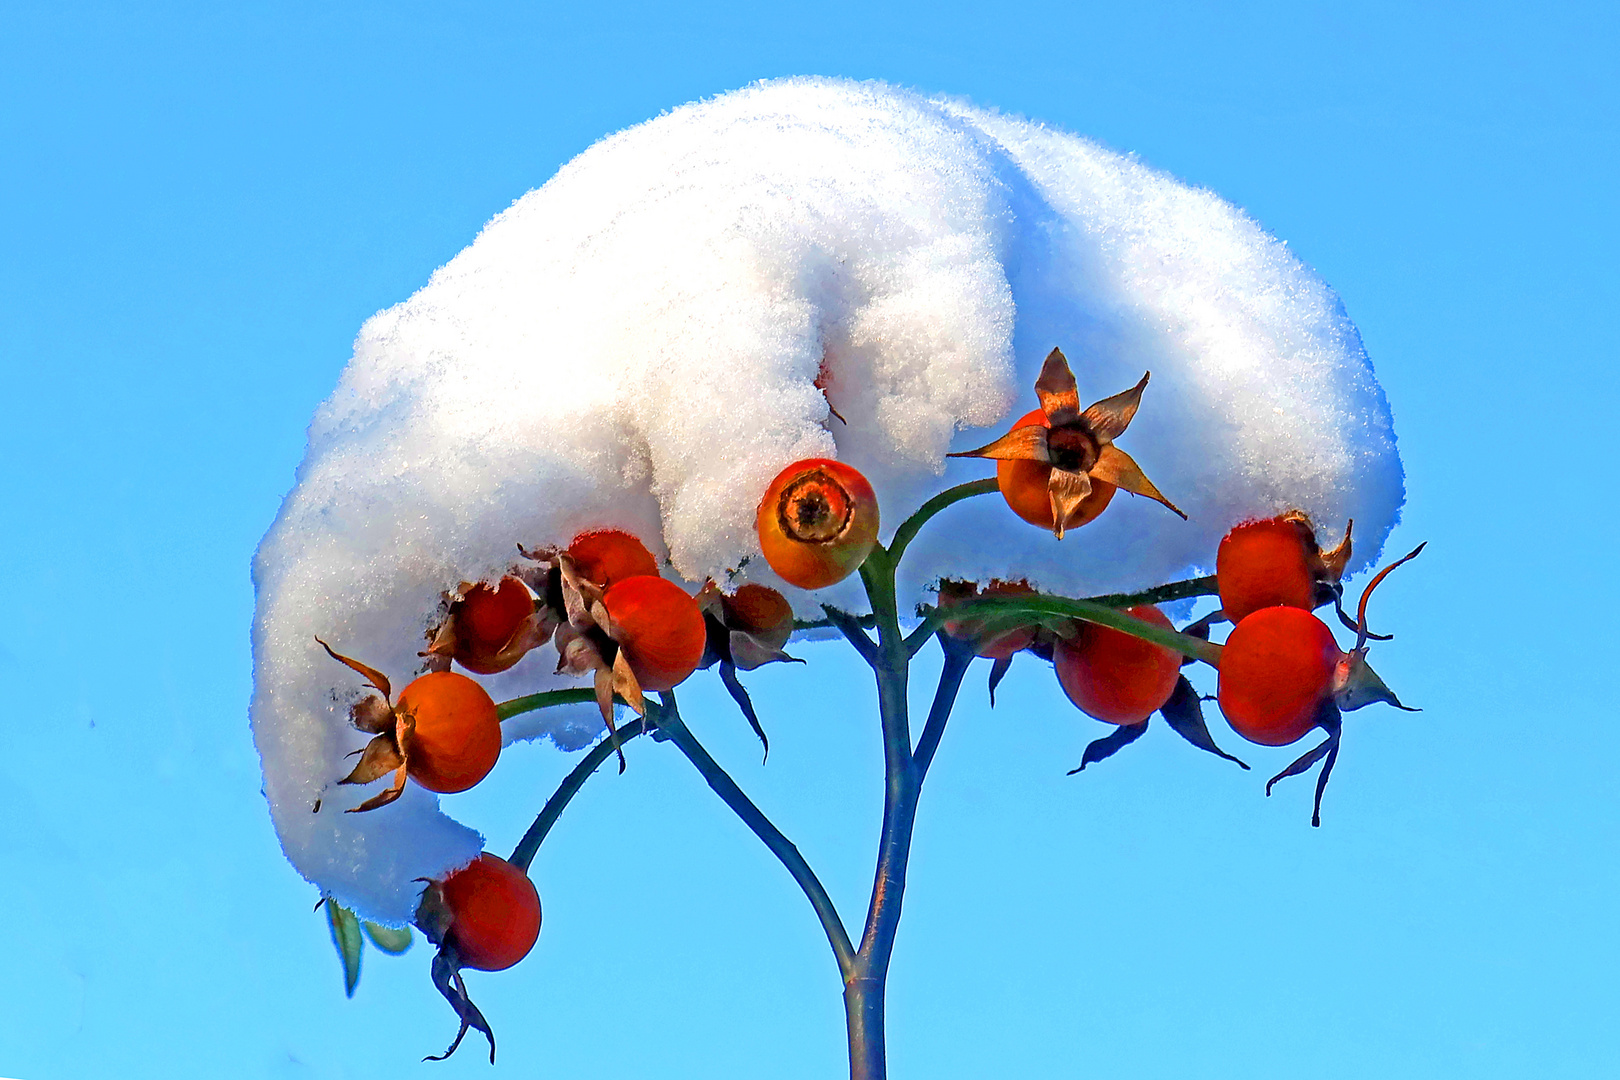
[{"x": 636, "y": 345}]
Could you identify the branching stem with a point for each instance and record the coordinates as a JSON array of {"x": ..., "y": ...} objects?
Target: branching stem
[
  {"x": 668, "y": 719},
  {"x": 865, "y": 969}
]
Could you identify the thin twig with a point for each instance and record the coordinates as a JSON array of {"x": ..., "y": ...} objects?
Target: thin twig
[
  {"x": 530, "y": 702},
  {"x": 1162, "y": 594},
  {"x": 668, "y": 720},
  {"x": 912, "y": 525},
  {"x": 851, "y": 629},
  {"x": 524, "y": 853},
  {"x": 958, "y": 658}
]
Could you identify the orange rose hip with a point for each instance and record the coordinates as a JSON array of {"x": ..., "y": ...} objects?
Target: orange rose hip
[
  {"x": 659, "y": 627},
  {"x": 451, "y": 735},
  {"x": 1114, "y": 676},
  {"x": 817, "y": 522}
]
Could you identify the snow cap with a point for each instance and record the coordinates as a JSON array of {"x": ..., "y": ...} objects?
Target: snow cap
[{"x": 637, "y": 345}]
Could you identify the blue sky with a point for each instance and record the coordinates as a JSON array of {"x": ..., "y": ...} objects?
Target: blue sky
[{"x": 199, "y": 207}]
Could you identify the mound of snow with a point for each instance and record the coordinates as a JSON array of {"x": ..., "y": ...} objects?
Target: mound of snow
[{"x": 636, "y": 345}]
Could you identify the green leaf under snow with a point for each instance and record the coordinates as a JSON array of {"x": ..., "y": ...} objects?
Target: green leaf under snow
[
  {"x": 346, "y": 937},
  {"x": 391, "y": 940}
]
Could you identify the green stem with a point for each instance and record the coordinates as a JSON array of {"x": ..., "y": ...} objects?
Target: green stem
[
  {"x": 1162, "y": 594},
  {"x": 912, "y": 525},
  {"x": 667, "y": 717},
  {"x": 934, "y": 618},
  {"x": 1089, "y": 611},
  {"x": 524, "y": 853},
  {"x": 508, "y": 709},
  {"x": 959, "y": 657},
  {"x": 865, "y": 987}
]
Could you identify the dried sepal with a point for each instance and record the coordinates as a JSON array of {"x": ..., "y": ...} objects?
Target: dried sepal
[
  {"x": 383, "y": 798},
  {"x": 739, "y": 694},
  {"x": 1184, "y": 712},
  {"x": 1057, "y": 391},
  {"x": 379, "y": 757},
  {"x": 1107, "y": 419},
  {"x": 1110, "y": 744},
  {"x": 1359, "y": 686},
  {"x": 577, "y": 652},
  {"x": 388, "y": 750},
  {"x": 1020, "y": 444},
  {"x": 1067, "y": 490},
  {"x": 1335, "y": 559},
  {"x": 1328, "y": 719},
  {"x": 372, "y": 714},
  {"x": 1077, "y": 445},
  {"x": 377, "y": 679},
  {"x": 998, "y": 671},
  {"x": 447, "y": 977},
  {"x": 1118, "y": 468}
]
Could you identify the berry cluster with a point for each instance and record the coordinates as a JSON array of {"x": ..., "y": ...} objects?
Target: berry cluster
[{"x": 612, "y": 618}]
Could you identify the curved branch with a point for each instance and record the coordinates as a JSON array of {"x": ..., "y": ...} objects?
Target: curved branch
[
  {"x": 530, "y": 702},
  {"x": 912, "y": 525},
  {"x": 850, "y": 627},
  {"x": 1089, "y": 611},
  {"x": 668, "y": 720},
  {"x": 1162, "y": 594},
  {"x": 958, "y": 657},
  {"x": 524, "y": 853}
]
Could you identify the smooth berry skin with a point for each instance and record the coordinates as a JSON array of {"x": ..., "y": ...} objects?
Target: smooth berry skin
[
  {"x": 659, "y": 627},
  {"x": 454, "y": 737},
  {"x": 1276, "y": 668},
  {"x": 486, "y": 619},
  {"x": 817, "y": 522},
  {"x": 606, "y": 557},
  {"x": 1262, "y": 564},
  {"x": 494, "y": 913},
  {"x": 1115, "y": 677},
  {"x": 1023, "y": 486}
]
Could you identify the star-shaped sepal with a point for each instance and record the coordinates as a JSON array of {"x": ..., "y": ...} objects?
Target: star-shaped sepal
[
  {"x": 388, "y": 752},
  {"x": 1077, "y": 444}
]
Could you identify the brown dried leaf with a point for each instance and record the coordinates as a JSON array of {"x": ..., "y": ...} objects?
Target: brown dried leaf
[{"x": 1116, "y": 467}]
